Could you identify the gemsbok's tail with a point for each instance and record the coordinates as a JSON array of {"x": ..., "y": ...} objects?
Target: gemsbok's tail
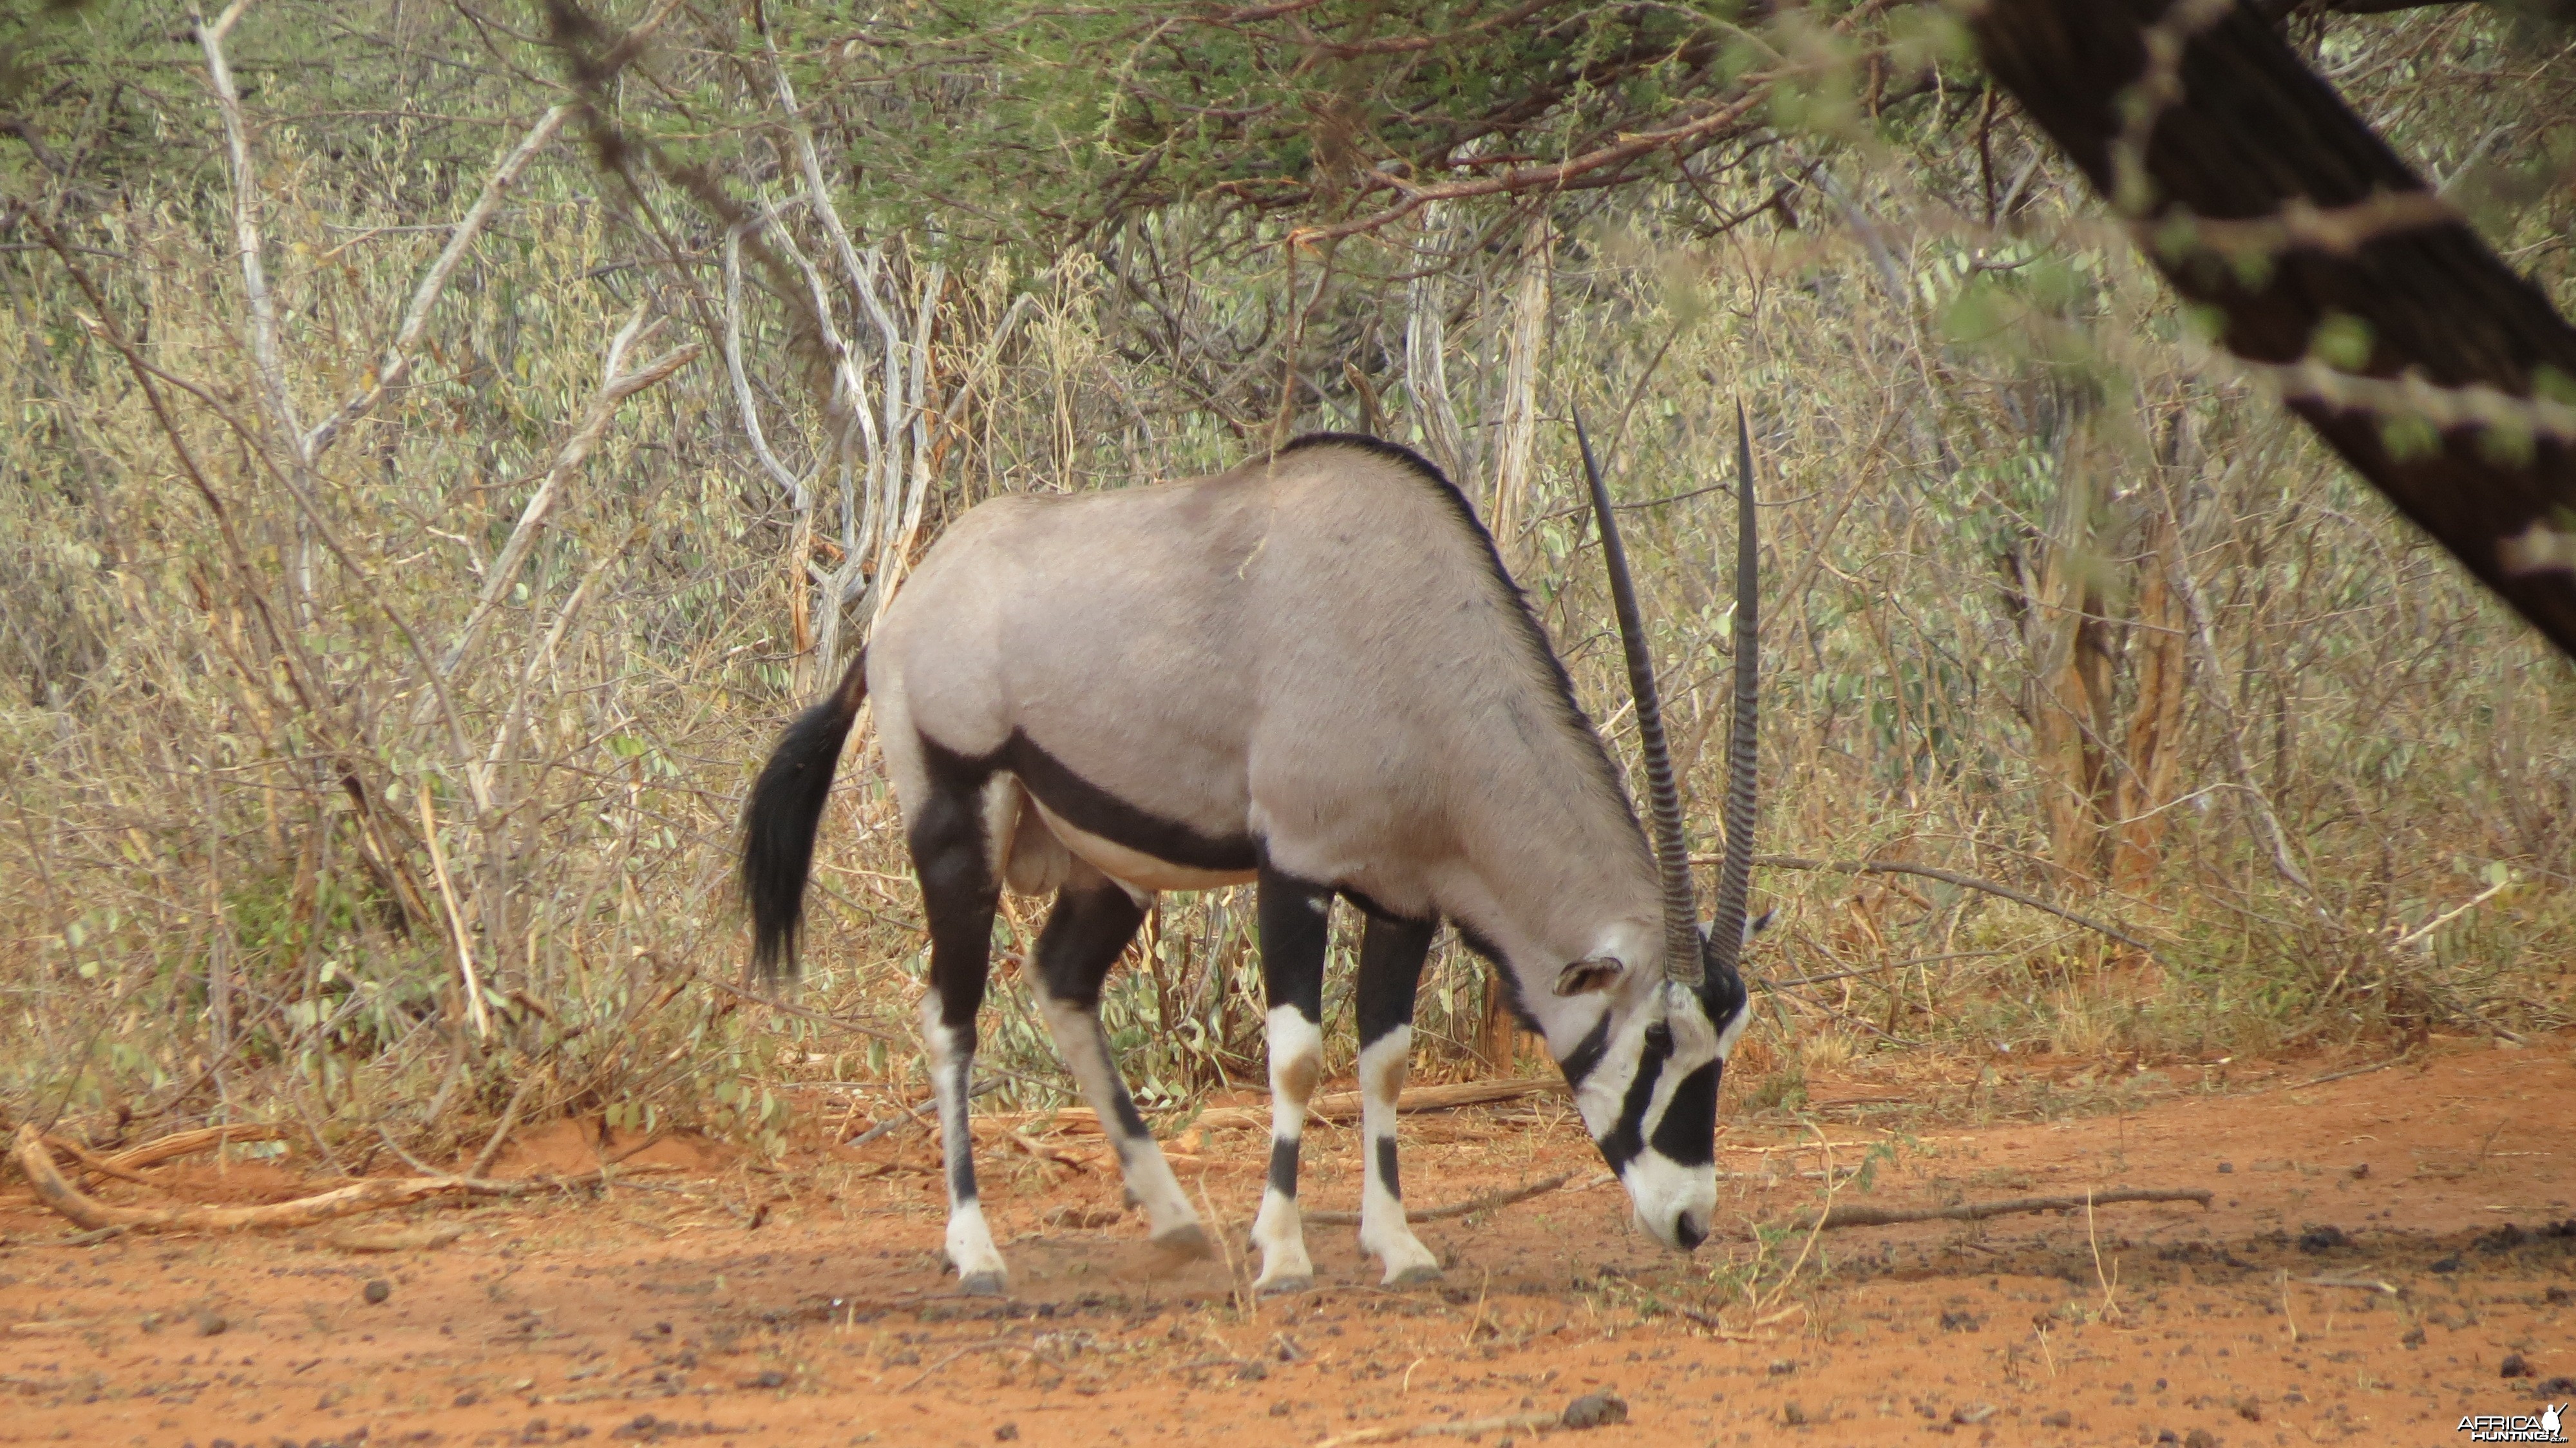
[{"x": 779, "y": 820}]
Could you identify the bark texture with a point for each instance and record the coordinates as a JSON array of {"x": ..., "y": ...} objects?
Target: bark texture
[{"x": 2247, "y": 133}]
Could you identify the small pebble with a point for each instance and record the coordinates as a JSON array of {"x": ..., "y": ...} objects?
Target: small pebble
[
  {"x": 1006, "y": 1433},
  {"x": 2227, "y": 1168},
  {"x": 211, "y": 1324},
  {"x": 2200, "y": 1438},
  {"x": 377, "y": 1290},
  {"x": 1594, "y": 1410}
]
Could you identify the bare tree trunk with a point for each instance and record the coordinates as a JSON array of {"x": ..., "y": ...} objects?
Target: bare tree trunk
[
  {"x": 2259, "y": 194},
  {"x": 2160, "y": 663}
]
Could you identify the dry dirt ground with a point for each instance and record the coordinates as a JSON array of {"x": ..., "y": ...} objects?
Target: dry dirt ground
[{"x": 699, "y": 1298}]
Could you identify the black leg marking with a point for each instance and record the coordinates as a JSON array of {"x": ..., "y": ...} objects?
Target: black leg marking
[
  {"x": 1296, "y": 921},
  {"x": 1386, "y": 1167},
  {"x": 1083, "y": 937},
  {"x": 1392, "y": 951},
  {"x": 1283, "y": 1165},
  {"x": 959, "y": 895}
]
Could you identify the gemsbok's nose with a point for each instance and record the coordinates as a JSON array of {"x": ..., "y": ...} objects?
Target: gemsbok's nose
[{"x": 1688, "y": 1233}]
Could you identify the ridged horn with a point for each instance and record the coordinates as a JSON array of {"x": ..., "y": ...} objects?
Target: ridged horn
[
  {"x": 1735, "y": 874},
  {"x": 1663, "y": 798}
]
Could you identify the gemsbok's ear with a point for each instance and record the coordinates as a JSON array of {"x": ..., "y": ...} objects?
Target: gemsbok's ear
[
  {"x": 1595, "y": 973},
  {"x": 1759, "y": 923}
]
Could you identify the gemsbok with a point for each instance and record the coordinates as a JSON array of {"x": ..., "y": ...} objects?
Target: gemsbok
[{"x": 1312, "y": 672}]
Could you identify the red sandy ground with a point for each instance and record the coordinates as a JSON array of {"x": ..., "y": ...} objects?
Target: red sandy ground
[{"x": 720, "y": 1304}]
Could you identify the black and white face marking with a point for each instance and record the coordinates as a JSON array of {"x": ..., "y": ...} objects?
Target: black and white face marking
[{"x": 1645, "y": 1079}]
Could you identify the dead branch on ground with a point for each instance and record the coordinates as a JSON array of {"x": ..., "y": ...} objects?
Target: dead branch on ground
[
  {"x": 1869, "y": 1216},
  {"x": 374, "y": 1194}
]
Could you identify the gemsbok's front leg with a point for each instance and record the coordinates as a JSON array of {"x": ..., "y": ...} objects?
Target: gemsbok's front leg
[
  {"x": 1093, "y": 919},
  {"x": 1391, "y": 956},
  {"x": 959, "y": 895},
  {"x": 1295, "y": 927}
]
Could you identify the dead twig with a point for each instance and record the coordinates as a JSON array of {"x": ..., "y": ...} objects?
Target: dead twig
[
  {"x": 1470, "y": 1207},
  {"x": 1868, "y": 1216}
]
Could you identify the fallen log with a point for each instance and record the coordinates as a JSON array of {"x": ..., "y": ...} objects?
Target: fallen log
[
  {"x": 373, "y": 1194},
  {"x": 1857, "y": 1215}
]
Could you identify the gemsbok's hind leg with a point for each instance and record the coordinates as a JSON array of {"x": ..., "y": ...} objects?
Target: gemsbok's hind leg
[
  {"x": 959, "y": 895},
  {"x": 1093, "y": 919},
  {"x": 1391, "y": 956},
  {"x": 1295, "y": 925}
]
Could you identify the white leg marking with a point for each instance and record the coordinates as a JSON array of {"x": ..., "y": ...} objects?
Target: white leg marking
[
  {"x": 970, "y": 1241},
  {"x": 1296, "y": 1062},
  {"x": 1078, "y": 1039},
  {"x": 1383, "y": 1232}
]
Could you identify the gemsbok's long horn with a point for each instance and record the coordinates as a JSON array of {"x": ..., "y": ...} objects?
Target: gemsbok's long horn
[
  {"x": 1735, "y": 874},
  {"x": 1664, "y": 800}
]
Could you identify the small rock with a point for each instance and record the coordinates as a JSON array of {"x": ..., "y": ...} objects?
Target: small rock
[
  {"x": 765, "y": 1378},
  {"x": 2513, "y": 1366},
  {"x": 377, "y": 1290},
  {"x": 2250, "y": 1410},
  {"x": 1594, "y": 1410},
  {"x": 2448, "y": 1264},
  {"x": 211, "y": 1324},
  {"x": 2059, "y": 1419},
  {"x": 2414, "y": 1336},
  {"x": 2323, "y": 1239},
  {"x": 1281, "y": 1409},
  {"x": 1793, "y": 1415},
  {"x": 1958, "y": 1322},
  {"x": 1782, "y": 1367},
  {"x": 2167, "y": 1435},
  {"x": 2200, "y": 1438},
  {"x": 468, "y": 1398},
  {"x": 2360, "y": 1170},
  {"x": 2225, "y": 1168},
  {"x": 1969, "y": 1415},
  {"x": 1251, "y": 1370},
  {"x": 1006, "y": 1433}
]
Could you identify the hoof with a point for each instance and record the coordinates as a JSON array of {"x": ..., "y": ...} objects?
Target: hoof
[
  {"x": 1283, "y": 1287},
  {"x": 1413, "y": 1276},
  {"x": 981, "y": 1284},
  {"x": 1189, "y": 1242}
]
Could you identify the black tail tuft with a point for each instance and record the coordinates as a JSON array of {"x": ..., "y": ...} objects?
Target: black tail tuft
[{"x": 779, "y": 821}]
